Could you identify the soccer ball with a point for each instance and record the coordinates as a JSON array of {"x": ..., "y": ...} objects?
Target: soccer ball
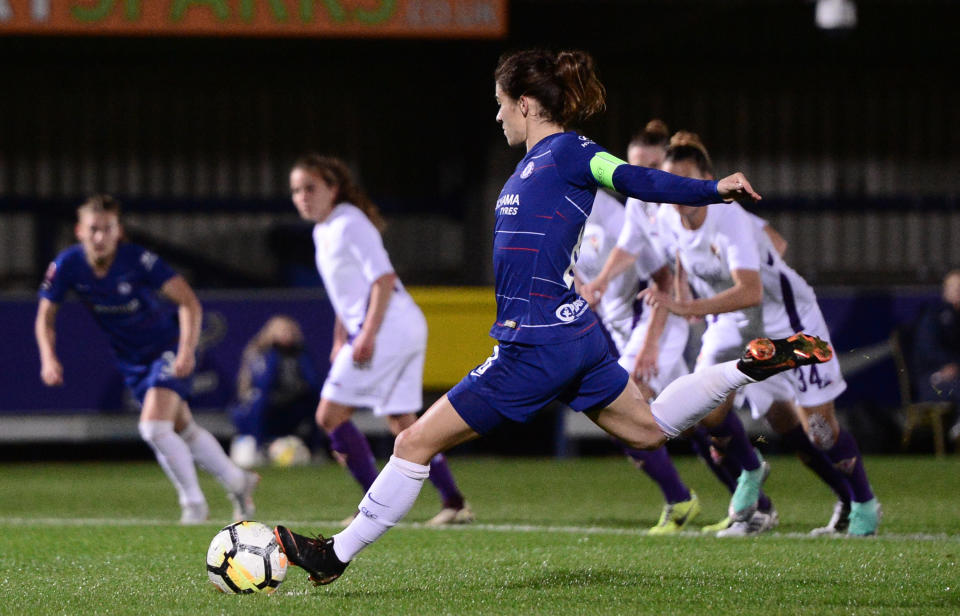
[{"x": 244, "y": 558}]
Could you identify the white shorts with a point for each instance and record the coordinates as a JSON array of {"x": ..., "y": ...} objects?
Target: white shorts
[
  {"x": 392, "y": 382},
  {"x": 726, "y": 337},
  {"x": 670, "y": 362}
]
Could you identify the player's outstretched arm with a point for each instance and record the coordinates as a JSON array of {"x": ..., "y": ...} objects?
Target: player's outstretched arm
[
  {"x": 189, "y": 313},
  {"x": 51, "y": 371},
  {"x": 658, "y": 186}
]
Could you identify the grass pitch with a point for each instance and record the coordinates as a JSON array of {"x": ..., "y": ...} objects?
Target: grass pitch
[{"x": 553, "y": 537}]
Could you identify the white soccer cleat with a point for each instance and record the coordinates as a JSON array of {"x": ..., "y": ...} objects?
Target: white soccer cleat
[
  {"x": 243, "y": 507},
  {"x": 449, "y": 516},
  {"x": 759, "y": 522},
  {"x": 194, "y": 513}
]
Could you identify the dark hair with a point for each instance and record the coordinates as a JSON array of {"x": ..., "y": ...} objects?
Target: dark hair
[
  {"x": 685, "y": 145},
  {"x": 565, "y": 84},
  {"x": 335, "y": 173},
  {"x": 99, "y": 203},
  {"x": 655, "y": 133}
]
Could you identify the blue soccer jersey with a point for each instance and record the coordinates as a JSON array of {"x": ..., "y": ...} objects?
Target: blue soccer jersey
[
  {"x": 541, "y": 213},
  {"x": 124, "y": 303}
]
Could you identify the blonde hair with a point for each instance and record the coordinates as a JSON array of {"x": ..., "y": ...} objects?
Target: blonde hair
[
  {"x": 655, "y": 133},
  {"x": 98, "y": 204},
  {"x": 269, "y": 334},
  {"x": 686, "y": 145}
]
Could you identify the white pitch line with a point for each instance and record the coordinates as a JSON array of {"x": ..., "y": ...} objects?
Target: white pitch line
[{"x": 499, "y": 528}]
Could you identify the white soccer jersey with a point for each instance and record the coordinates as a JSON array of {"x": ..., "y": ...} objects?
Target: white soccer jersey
[
  {"x": 730, "y": 239},
  {"x": 599, "y": 237},
  {"x": 350, "y": 256}
]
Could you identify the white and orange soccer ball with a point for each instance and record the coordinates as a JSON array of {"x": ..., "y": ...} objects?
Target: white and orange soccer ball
[{"x": 244, "y": 558}]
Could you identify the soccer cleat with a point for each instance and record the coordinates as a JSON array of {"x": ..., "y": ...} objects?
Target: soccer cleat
[
  {"x": 864, "y": 518},
  {"x": 676, "y": 515},
  {"x": 717, "y": 526},
  {"x": 838, "y": 523},
  {"x": 759, "y": 522},
  {"x": 744, "y": 500},
  {"x": 452, "y": 515},
  {"x": 194, "y": 513},
  {"x": 315, "y": 554},
  {"x": 765, "y": 357},
  {"x": 243, "y": 507}
]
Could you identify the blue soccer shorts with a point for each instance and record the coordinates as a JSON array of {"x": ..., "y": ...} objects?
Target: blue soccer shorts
[
  {"x": 159, "y": 373},
  {"x": 520, "y": 379}
]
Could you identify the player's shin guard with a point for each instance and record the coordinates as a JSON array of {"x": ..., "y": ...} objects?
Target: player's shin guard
[
  {"x": 687, "y": 400},
  {"x": 386, "y": 502}
]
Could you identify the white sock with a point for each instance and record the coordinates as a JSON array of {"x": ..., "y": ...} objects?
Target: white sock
[
  {"x": 386, "y": 502},
  {"x": 174, "y": 458},
  {"x": 211, "y": 457},
  {"x": 687, "y": 400}
]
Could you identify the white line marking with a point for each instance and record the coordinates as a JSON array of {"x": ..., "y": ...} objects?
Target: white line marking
[
  {"x": 540, "y": 155},
  {"x": 497, "y": 528},
  {"x": 561, "y": 285},
  {"x": 521, "y": 232}
]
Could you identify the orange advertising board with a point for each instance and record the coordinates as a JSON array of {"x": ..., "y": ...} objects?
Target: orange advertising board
[{"x": 317, "y": 18}]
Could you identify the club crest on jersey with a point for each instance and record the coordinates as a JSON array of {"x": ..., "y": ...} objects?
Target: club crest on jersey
[
  {"x": 570, "y": 312},
  {"x": 528, "y": 170},
  {"x": 124, "y": 288}
]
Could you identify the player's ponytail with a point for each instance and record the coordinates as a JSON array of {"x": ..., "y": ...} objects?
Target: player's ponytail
[
  {"x": 565, "y": 84},
  {"x": 685, "y": 145},
  {"x": 584, "y": 95},
  {"x": 335, "y": 172}
]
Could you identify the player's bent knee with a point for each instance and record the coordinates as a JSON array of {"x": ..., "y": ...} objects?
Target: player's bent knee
[
  {"x": 153, "y": 430},
  {"x": 411, "y": 445},
  {"x": 822, "y": 434}
]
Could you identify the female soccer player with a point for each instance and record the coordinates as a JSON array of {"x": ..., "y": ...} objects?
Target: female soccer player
[
  {"x": 277, "y": 390},
  {"x": 550, "y": 347},
  {"x": 744, "y": 285},
  {"x": 155, "y": 349},
  {"x": 380, "y": 335},
  {"x": 652, "y": 360}
]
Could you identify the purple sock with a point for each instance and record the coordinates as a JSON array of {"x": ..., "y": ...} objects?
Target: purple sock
[
  {"x": 845, "y": 455},
  {"x": 733, "y": 439},
  {"x": 659, "y": 467},
  {"x": 818, "y": 462},
  {"x": 442, "y": 480},
  {"x": 350, "y": 442},
  {"x": 701, "y": 444}
]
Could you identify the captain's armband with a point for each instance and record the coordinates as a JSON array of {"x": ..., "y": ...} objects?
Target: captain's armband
[{"x": 602, "y": 166}]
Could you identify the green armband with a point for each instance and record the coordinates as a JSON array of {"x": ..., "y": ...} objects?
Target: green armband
[{"x": 602, "y": 166}]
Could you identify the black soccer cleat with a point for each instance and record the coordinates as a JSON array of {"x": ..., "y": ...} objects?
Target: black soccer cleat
[
  {"x": 765, "y": 357},
  {"x": 315, "y": 554}
]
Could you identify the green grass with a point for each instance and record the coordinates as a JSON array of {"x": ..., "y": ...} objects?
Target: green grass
[{"x": 553, "y": 538}]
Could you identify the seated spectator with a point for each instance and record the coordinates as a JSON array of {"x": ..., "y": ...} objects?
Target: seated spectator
[
  {"x": 937, "y": 347},
  {"x": 277, "y": 390}
]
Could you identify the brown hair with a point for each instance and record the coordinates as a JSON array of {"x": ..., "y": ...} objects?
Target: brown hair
[
  {"x": 565, "y": 84},
  {"x": 655, "y": 133},
  {"x": 258, "y": 346},
  {"x": 99, "y": 203},
  {"x": 685, "y": 145},
  {"x": 335, "y": 173}
]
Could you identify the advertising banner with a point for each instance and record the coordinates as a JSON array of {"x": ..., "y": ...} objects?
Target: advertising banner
[{"x": 276, "y": 18}]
